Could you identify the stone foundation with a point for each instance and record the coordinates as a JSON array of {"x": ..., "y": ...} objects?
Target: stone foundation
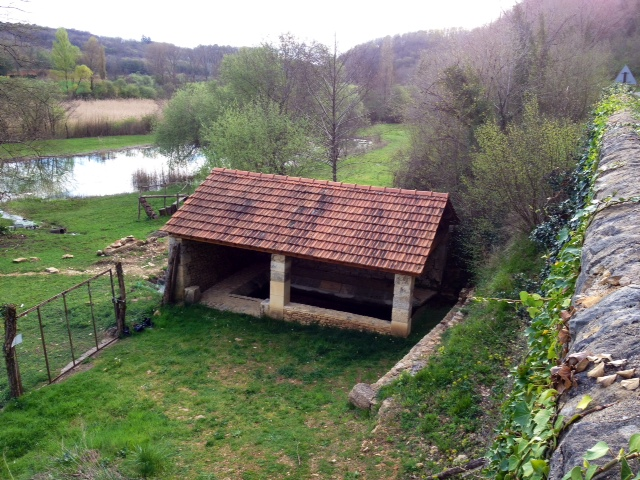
[{"x": 308, "y": 315}]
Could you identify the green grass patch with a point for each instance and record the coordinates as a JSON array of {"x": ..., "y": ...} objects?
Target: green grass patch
[
  {"x": 453, "y": 403},
  {"x": 374, "y": 167},
  {"x": 72, "y": 146},
  {"x": 92, "y": 224},
  {"x": 208, "y": 394}
]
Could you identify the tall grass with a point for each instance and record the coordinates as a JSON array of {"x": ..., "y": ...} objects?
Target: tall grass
[
  {"x": 103, "y": 118},
  {"x": 114, "y": 110},
  {"x": 144, "y": 180},
  {"x": 101, "y": 127}
]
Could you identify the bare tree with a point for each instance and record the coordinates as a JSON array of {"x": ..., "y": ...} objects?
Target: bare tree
[
  {"x": 337, "y": 93},
  {"x": 93, "y": 56}
]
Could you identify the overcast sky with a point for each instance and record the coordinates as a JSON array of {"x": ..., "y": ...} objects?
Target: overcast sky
[{"x": 188, "y": 23}]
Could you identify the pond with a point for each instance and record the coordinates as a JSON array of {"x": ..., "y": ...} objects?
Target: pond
[{"x": 91, "y": 175}]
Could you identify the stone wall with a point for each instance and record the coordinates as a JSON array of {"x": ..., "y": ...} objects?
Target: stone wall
[
  {"x": 204, "y": 264},
  {"x": 345, "y": 282},
  {"x": 436, "y": 263},
  {"x": 607, "y": 300},
  {"x": 307, "y": 315}
]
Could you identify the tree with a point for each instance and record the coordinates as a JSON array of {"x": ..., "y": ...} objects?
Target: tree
[
  {"x": 273, "y": 73},
  {"x": 258, "y": 137},
  {"x": 29, "y": 110},
  {"x": 93, "y": 57},
  {"x": 510, "y": 174},
  {"x": 81, "y": 73},
  {"x": 449, "y": 105},
  {"x": 380, "y": 96},
  {"x": 164, "y": 61},
  {"x": 337, "y": 94},
  {"x": 195, "y": 106},
  {"x": 64, "y": 56}
]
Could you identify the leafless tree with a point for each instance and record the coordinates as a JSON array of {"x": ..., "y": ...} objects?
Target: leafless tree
[{"x": 337, "y": 93}]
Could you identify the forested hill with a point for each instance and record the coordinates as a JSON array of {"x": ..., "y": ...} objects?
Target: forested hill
[
  {"x": 124, "y": 57},
  {"x": 612, "y": 24}
]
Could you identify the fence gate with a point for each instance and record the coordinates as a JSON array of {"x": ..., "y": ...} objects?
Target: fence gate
[{"x": 60, "y": 333}]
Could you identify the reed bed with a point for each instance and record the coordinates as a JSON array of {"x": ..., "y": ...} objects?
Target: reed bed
[
  {"x": 104, "y": 118},
  {"x": 152, "y": 180},
  {"x": 114, "y": 110}
]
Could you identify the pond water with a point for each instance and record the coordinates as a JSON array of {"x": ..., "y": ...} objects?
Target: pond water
[{"x": 88, "y": 175}]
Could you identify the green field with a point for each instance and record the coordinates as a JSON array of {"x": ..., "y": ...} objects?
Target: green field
[
  {"x": 374, "y": 167},
  {"x": 73, "y": 146}
]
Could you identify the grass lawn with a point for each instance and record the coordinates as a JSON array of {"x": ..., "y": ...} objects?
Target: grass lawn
[
  {"x": 73, "y": 146},
  {"x": 208, "y": 394},
  {"x": 374, "y": 167},
  {"x": 214, "y": 395},
  {"x": 205, "y": 394}
]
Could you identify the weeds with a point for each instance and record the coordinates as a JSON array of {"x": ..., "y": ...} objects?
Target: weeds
[{"x": 453, "y": 402}]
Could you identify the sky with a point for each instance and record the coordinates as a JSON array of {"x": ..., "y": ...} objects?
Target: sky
[{"x": 188, "y": 23}]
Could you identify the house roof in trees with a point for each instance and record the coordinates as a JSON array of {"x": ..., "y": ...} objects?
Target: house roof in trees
[{"x": 375, "y": 228}]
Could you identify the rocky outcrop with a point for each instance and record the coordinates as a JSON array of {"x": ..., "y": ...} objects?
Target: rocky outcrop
[{"x": 607, "y": 300}]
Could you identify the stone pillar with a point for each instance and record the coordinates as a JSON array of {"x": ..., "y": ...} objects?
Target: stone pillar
[
  {"x": 280, "y": 287},
  {"x": 402, "y": 305}
]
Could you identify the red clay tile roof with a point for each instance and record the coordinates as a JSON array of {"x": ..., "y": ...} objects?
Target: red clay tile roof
[{"x": 368, "y": 227}]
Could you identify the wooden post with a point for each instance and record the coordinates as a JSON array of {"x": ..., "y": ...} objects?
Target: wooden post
[
  {"x": 172, "y": 272},
  {"x": 138, "y": 208},
  {"x": 121, "y": 303},
  {"x": 10, "y": 358}
]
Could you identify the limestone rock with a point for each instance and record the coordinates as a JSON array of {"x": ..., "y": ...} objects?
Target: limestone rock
[
  {"x": 362, "y": 396},
  {"x": 67, "y": 255},
  {"x": 52, "y": 270},
  {"x": 34, "y": 259},
  {"x": 20, "y": 260},
  {"x": 192, "y": 295}
]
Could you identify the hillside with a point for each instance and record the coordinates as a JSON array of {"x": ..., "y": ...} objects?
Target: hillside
[{"x": 123, "y": 56}]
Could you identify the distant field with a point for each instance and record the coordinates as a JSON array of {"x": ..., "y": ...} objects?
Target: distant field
[
  {"x": 375, "y": 167},
  {"x": 114, "y": 110}
]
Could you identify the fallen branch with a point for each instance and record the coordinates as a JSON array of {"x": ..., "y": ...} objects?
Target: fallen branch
[
  {"x": 609, "y": 465},
  {"x": 472, "y": 465},
  {"x": 580, "y": 416}
]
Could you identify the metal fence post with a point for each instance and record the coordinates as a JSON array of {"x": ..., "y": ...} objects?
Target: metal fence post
[{"x": 9, "y": 350}]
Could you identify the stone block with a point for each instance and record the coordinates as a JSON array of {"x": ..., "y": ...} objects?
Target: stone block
[
  {"x": 192, "y": 295},
  {"x": 400, "y": 329},
  {"x": 280, "y": 289},
  {"x": 402, "y": 302},
  {"x": 279, "y": 276},
  {"x": 402, "y": 315},
  {"x": 362, "y": 396}
]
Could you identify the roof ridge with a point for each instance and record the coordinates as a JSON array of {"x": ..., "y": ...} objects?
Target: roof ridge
[{"x": 337, "y": 185}]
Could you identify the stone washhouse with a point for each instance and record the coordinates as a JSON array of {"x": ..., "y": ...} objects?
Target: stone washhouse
[{"x": 310, "y": 251}]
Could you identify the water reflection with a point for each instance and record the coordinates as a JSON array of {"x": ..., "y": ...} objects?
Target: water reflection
[
  {"x": 104, "y": 173},
  {"x": 44, "y": 177}
]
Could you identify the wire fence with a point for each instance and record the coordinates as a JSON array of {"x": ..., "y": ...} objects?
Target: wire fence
[{"x": 58, "y": 334}]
